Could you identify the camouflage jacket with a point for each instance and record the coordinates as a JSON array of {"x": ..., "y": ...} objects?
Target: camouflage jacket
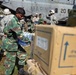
[{"x": 13, "y": 31}]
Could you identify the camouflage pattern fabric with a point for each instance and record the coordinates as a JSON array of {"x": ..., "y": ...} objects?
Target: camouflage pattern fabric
[
  {"x": 11, "y": 46},
  {"x": 41, "y": 21},
  {"x": 10, "y": 62},
  {"x": 30, "y": 27}
]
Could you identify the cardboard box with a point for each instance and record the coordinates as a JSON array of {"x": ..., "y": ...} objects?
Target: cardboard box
[{"x": 55, "y": 49}]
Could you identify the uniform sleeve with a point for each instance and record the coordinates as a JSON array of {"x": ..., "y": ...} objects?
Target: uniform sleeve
[{"x": 7, "y": 28}]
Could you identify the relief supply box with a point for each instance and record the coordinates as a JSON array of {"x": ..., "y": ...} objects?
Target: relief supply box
[{"x": 55, "y": 49}]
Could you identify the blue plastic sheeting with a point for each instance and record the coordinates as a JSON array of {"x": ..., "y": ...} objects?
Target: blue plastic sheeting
[
  {"x": 23, "y": 43},
  {"x": 26, "y": 35}
]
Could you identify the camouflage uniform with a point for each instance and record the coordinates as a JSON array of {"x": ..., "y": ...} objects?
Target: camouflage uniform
[{"x": 14, "y": 51}]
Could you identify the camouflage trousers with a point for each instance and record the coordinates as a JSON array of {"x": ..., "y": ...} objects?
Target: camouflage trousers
[{"x": 14, "y": 59}]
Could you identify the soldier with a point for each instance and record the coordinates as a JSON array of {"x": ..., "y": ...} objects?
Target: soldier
[
  {"x": 52, "y": 17},
  {"x": 5, "y": 20},
  {"x": 41, "y": 20},
  {"x": 15, "y": 53},
  {"x": 35, "y": 19},
  {"x": 7, "y": 17}
]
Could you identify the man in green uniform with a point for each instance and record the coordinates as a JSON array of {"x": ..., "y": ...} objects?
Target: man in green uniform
[
  {"x": 41, "y": 21},
  {"x": 15, "y": 54}
]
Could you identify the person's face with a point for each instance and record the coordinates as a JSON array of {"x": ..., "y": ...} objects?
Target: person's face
[{"x": 19, "y": 16}]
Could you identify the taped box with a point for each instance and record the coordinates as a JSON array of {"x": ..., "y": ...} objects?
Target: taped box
[{"x": 55, "y": 49}]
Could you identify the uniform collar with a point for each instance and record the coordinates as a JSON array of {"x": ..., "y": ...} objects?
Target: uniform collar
[{"x": 16, "y": 18}]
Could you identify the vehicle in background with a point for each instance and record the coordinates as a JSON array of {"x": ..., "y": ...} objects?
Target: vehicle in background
[
  {"x": 1, "y": 1},
  {"x": 31, "y": 7}
]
